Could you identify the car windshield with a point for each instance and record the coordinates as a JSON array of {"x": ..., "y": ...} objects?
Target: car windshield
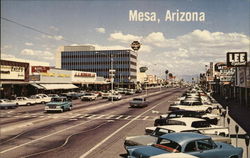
[
  {"x": 57, "y": 99},
  {"x": 175, "y": 122},
  {"x": 138, "y": 99},
  {"x": 200, "y": 124},
  {"x": 168, "y": 145},
  {"x": 160, "y": 131},
  {"x": 88, "y": 94}
]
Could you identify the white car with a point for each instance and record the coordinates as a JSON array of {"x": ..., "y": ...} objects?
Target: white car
[
  {"x": 115, "y": 96},
  {"x": 192, "y": 105},
  {"x": 201, "y": 124},
  {"x": 5, "y": 104},
  {"x": 89, "y": 96},
  {"x": 44, "y": 98},
  {"x": 25, "y": 101}
]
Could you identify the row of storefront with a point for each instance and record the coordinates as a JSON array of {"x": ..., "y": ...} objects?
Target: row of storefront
[
  {"x": 231, "y": 83},
  {"x": 23, "y": 79}
]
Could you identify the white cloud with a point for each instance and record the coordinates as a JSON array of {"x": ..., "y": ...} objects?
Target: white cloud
[
  {"x": 28, "y": 44},
  {"x": 54, "y": 28},
  {"x": 100, "y": 30},
  {"x": 38, "y": 53},
  {"x": 128, "y": 38},
  {"x": 56, "y": 37},
  {"x": 111, "y": 47}
]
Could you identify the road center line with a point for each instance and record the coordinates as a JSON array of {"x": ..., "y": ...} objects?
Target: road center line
[{"x": 121, "y": 128}]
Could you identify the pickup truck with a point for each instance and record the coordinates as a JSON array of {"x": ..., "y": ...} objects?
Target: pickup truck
[
  {"x": 59, "y": 104},
  {"x": 138, "y": 102}
]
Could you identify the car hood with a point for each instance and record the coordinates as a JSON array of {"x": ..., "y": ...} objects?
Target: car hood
[
  {"x": 140, "y": 140},
  {"x": 145, "y": 151}
]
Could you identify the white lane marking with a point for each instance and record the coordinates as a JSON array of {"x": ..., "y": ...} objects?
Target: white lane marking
[
  {"x": 110, "y": 116},
  {"x": 119, "y": 117},
  {"x": 91, "y": 116},
  {"x": 100, "y": 116},
  {"x": 127, "y": 117},
  {"x": 118, "y": 130},
  {"x": 4, "y": 151},
  {"x": 146, "y": 117}
]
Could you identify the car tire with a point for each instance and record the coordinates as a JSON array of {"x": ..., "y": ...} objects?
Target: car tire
[
  {"x": 43, "y": 102},
  {"x": 28, "y": 104}
]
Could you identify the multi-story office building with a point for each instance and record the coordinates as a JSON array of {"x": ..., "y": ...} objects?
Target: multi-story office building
[{"x": 124, "y": 62}]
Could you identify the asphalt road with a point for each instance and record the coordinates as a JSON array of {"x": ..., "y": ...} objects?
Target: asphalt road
[{"x": 92, "y": 129}]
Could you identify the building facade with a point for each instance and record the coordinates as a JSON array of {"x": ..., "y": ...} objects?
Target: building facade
[{"x": 124, "y": 62}]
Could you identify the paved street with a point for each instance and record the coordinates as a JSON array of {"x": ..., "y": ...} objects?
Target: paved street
[{"x": 93, "y": 129}]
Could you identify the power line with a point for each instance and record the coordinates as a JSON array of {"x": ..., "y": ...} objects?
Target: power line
[{"x": 36, "y": 30}]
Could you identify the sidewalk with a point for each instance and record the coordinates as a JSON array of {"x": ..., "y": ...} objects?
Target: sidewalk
[{"x": 240, "y": 113}]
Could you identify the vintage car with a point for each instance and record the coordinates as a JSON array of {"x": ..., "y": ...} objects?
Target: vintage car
[
  {"x": 115, "y": 96},
  {"x": 192, "y": 105},
  {"x": 44, "y": 98},
  {"x": 211, "y": 118},
  {"x": 105, "y": 95},
  {"x": 174, "y": 155},
  {"x": 153, "y": 134},
  {"x": 89, "y": 96},
  {"x": 25, "y": 101},
  {"x": 138, "y": 102},
  {"x": 189, "y": 143},
  {"x": 201, "y": 124},
  {"x": 59, "y": 104},
  {"x": 129, "y": 92},
  {"x": 5, "y": 104},
  {"x": 180, "y": 128}
]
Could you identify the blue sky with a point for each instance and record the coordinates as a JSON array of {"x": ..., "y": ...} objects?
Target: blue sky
[{"x": 182, "y": 47}]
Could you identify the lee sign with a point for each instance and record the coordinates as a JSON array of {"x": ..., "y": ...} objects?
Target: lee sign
[{"x": 236, "y": 58}]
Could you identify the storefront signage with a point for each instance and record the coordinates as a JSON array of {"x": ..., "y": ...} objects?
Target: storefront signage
[
  {"x": 236, "y": 59},
  {"x": 12, "y": 72},
  {"x": 39, "y": 69},
  {"x": 84, "y": 74}
]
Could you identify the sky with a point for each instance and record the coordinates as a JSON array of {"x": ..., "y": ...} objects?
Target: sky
[{"x": 40, "y": 27}]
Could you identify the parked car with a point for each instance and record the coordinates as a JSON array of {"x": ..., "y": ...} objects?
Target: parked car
[
  {"x": 174, "y": 155},
  {"x": 192, "y": 105},
  {"x": 105, "y": 95},
  {"x": 89, "y": 96},
  {"x": 6, "y": 104},
  {"x": 44, "y": 98},
  {"x": 201, "y": 124},
  {"x": 152, "y": 134},
  {"x": 115, "y": 96},
  {"x": 25, "y": 101},
  {"x": 129, "y": 92},
  {"x": 160, "y": 130},
  {"x": 138, "y": 102},
  {"x": 59, "y": 104},
  {"x": 190, "y": 143},
  {"x": 211, "y": 118}
]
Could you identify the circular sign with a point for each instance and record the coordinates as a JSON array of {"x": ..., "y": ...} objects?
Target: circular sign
[
  {"x": 135, "y": 45},
  {"x": 143, "y": 69}
]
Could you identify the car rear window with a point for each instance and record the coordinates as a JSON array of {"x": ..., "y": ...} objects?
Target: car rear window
[{"x": 200, "y": 124}]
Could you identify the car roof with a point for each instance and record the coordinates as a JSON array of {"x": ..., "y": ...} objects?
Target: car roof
[
  {"x": 184, "y": 138},
  {"x": 177, "y": 128},
  {"x": 187, "y": 119}
]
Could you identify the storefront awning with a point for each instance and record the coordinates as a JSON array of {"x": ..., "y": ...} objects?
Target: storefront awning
[
  {"x": 58, "y": 86},
  {"x": 37, "y": 86}
]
